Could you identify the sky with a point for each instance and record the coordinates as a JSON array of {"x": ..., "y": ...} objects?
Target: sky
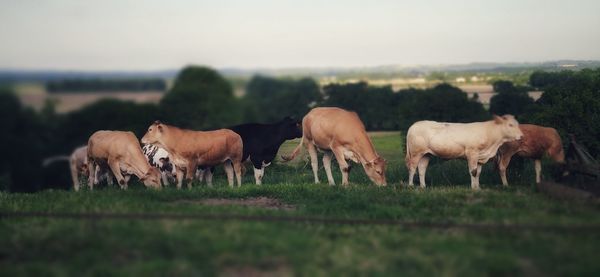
[{"x": 155, "y": 35}]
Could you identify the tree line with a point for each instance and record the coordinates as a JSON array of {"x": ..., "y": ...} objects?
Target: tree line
[{"x": 203, "y": 99}]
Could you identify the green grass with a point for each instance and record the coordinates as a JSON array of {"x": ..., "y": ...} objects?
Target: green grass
[{"x": 46, "y": 246}]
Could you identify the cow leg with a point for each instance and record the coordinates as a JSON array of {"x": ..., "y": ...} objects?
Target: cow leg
[
  {"x": 109, "y": 177},
  {"x": 127, "y": 178},
  {"x": 229, "y": 171},
  {"x": 74, "y": 175},
  {"x": 116, "y": 170},
  {"x": 200, "y": 173},
  {"x": 237, "y": 168},
  {"x": 503, "y": 165},
  {"x": 474, "y": 167},
  {"x": 98, "y": 175},
  {"x": 412, "y": 164},
  {"x": 314, "y": 162},
  {"x": 189, "y": 177},
  {"x": 423, "y": 163},
  {"x": 179, "y": 174},
  {"x": 92, "y": 174},
  {"x": 208, "y": 173},
  {"x": 163, "y": 177},
  {"x": 327, "y": 164},
  {"x": 258, "y": 171},
  {"x": 258, "y": 175},
  {"x": 538, "y": 171},
  {"x": 344, "y": 167}
]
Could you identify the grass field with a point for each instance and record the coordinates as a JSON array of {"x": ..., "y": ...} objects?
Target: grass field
[{"x": 446, "y": 229}]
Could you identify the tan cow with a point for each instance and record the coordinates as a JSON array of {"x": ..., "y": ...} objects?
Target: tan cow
[
  {"x": 476, "y": 142},
  {"x": 341, "y": 133},
  {"x": 190, "y": 149},
  {"x": 536, "y": 142},
  {"x": 121, "y": 152}
]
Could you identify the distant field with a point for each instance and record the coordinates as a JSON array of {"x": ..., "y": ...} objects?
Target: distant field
[
  {"x": 289, "y": 226},
  {"x": 35, "y": 95}
]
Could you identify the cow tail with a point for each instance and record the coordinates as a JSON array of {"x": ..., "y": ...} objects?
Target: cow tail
[
  {"x": 46, "y": 162},
  {"x": 287, "y": 158}
]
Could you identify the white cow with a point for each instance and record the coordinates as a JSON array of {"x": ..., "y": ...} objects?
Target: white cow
[
  {"x": 159, "y": 157},
  {"x": 476, "y": 142}
]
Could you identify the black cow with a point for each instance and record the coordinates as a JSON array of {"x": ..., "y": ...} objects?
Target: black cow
[{"x": 261, "y": 143}]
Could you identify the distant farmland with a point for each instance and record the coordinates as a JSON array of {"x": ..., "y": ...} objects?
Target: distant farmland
[{"x": 34, "y": 95}]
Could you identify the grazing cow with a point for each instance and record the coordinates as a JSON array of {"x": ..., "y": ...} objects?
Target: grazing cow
[
  {"x": 159, "y": 158},
  {"x": 78, "y": 163},
  {"x": 476, "y": 142},
  {"x": 536, "y": 142},
  {"x": 190, "y": 149},
  {"x": 261, "y": 143},
  {"x": 341, "y": 133},
  {"x": 121, "y": 152}
]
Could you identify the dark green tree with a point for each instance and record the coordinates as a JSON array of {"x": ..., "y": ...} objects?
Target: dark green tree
[
  {"x": 510, "y": 99},
  {"x": 440, "y": 103},
  {"x": 22, "y": 145},
  {"x": 376, "y": 106},
  {"x": 571, "y": 104},
  {"x": 270, "y": 99},
  {"x": 200, "y": 99}
]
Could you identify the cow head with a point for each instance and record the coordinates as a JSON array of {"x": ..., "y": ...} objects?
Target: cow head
[
  {"x": 166, "y": 165},
  {"x": 290, "y": 128},
  {"x": 509, "y": 127},
  {"x": 154, "y": 134},
  {"x": 152, "y": 178},
  {"x": 375, "y": 169}
]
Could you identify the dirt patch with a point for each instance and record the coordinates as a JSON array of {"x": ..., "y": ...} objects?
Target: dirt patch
[
  {"x": 271, "y": 268},
  {"x": 256, "y": 202}
]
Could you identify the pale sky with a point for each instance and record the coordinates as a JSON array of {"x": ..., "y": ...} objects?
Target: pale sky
[{"x": 151, "y": 35}]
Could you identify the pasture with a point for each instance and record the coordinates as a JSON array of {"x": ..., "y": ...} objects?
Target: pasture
[{"x": 289, "y": 226}]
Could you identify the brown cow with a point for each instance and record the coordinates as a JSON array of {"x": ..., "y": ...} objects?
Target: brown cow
[
  {"x": 190, "y": 149},
  {"x": 121, "y": 152},
  {"x": 341, "y": 133},
  {"x": 536, "y": 142}
]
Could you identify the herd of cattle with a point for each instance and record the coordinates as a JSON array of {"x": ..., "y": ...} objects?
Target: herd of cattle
[{"x": 170, "y": 153}]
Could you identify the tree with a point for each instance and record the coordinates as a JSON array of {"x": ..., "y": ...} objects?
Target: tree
[
  {"x": 376, "y": 106},
  {"x": 22, "y": 146},
  {"x": 269, "y": 99},
  {"x": 510, "y": 99},
  {"x": 571, "y": 104},
  {"x": 440, "y": 103},
  {"x": 200, "y": 99}
]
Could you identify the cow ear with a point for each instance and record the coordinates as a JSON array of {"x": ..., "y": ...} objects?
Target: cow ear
[
  {"x": 160, "y": 128},
  {"x": 498, "y": 120}
]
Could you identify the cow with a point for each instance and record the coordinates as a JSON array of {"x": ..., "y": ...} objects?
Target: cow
[
  {"x": 190, "y": 149},
  {"x": 121, "y": 153},
  {"x": 536, "y": 142},
  {"x": 339, "y": 133},
  {"x": 159, "y": 158},
  {"x": 476, "y": 142},
  {"x": 78, "y": 164},
  {"x": 261, "y": 143}
]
